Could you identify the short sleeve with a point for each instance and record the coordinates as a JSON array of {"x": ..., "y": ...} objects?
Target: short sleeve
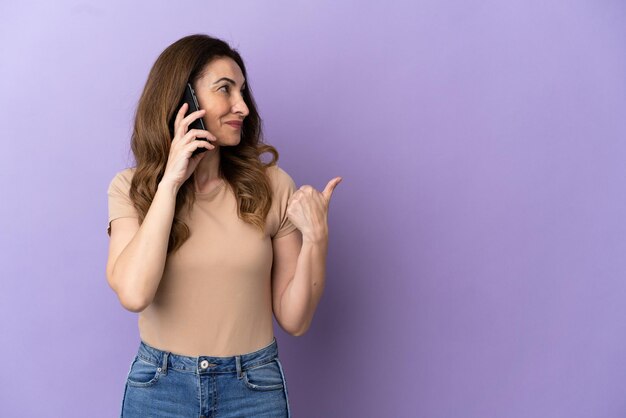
[
  {"x": 284, "y": 188},
  {"x": 120, "y": 205}
]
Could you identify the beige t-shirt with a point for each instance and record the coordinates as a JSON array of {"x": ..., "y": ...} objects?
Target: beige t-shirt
[{"x": 215, "y": 295}]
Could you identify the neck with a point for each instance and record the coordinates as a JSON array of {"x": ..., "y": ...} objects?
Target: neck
[{"x": 207, "y": 170}]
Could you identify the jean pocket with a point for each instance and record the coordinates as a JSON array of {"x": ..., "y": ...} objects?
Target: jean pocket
[
  {"x": 264, "y": 377},
  {"x": 143, "y": 373}
]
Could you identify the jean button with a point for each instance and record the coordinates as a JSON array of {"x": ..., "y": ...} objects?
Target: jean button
[{"x": 204, "y": 364}]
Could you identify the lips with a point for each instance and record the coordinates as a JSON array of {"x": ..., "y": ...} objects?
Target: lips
[{"x": 235, "y": 124}]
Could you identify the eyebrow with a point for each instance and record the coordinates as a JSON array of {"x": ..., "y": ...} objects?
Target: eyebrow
[{"x": 230, "y": 81}]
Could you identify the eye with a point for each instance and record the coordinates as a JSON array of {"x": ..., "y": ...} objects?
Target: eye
[{"x": 227, "y": 87}]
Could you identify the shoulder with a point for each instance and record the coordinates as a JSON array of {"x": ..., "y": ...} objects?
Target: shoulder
[
  {"x": 122, "y": 179},
  {"x": 279, "y": 178}
]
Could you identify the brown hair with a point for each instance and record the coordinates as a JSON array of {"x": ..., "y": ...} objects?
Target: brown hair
[{"x": 240, "y": 165}]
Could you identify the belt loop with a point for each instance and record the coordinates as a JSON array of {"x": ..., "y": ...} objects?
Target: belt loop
[
  {"x": 164, "y": 366},
  {"x": 238, "y": 362}
]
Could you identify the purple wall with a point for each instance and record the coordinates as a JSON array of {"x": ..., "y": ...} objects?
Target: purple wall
[{"x": 476, "y": 262}]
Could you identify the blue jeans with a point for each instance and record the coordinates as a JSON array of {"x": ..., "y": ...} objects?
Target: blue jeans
[{"x": 163, "y": 384}]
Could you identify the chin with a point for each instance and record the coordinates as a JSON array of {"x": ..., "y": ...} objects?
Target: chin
[{"x": 231, "y": 142}]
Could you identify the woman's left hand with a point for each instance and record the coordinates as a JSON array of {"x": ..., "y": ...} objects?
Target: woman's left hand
[{"x": 307, "y": 209}]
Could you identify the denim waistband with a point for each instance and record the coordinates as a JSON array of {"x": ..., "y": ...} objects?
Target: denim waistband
[{"x": 207, "y": 364}]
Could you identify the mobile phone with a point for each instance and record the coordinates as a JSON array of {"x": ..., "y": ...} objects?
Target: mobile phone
[{"x": 190, "y": 98}]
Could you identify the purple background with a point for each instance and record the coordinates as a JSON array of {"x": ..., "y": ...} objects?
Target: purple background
[{"x": 476, "y": 261}]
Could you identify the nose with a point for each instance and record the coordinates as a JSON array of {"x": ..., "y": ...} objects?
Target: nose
[{"x": 241, "y": 108}]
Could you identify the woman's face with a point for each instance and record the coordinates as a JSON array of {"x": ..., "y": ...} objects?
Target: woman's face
[{"x": 219, "y": 93}]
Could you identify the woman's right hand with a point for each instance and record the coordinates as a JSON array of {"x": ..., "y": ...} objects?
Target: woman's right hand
[{"x": 179, "y": 164}]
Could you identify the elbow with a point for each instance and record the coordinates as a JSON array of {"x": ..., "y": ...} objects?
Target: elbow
[
  {"x": 129, "y": 302},
  {"x": 291, "y": 330},
  {"x": 290, "y": 327},
  {"x": 294, "y": 328},
  {"x": 133, "y": 305},
  {"x": 300, "y": 331}
]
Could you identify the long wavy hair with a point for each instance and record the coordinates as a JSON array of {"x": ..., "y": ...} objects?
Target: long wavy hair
[{"x": 240, "y": 165}]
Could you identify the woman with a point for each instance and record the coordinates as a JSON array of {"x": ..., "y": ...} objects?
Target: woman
[{"x": 206, "y": 246}]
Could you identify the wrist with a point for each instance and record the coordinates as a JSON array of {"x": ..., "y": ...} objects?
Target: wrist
[
  {"x": 169, "y": 186},
  {"x": 317, "y": 237}
]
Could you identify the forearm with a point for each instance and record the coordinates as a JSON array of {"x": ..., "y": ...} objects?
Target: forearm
[
  {"x": 303, "y": 293},
  {"x": 139, "y": 267}
]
